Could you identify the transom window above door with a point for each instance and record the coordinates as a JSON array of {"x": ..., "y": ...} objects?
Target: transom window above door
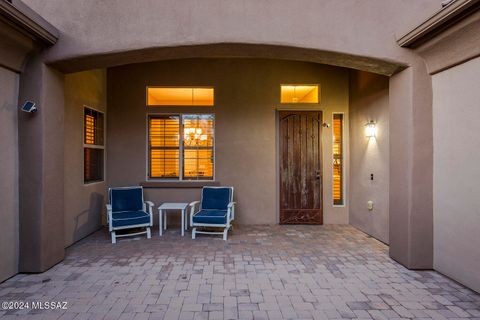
[
  {"x": 181, "y": 147},
  {"x": 299, "y": 93}
]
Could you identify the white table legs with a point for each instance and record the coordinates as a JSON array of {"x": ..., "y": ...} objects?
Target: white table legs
[
  {"x": 185, "y": 213},
  {"x": 162, "y": 221},
  {"x": 183, "y": 223}
]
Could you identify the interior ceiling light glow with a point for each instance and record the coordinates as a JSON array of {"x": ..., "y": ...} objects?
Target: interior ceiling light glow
[{"x": 299, "y": 94}]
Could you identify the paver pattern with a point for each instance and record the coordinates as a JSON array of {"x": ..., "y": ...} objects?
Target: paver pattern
[{"x": 261, "y": 272}]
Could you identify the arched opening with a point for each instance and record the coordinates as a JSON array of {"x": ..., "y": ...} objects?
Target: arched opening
[
  {"x": 229, "y": 50},
  {"x": 115, "y": 84},
  {"x": 247, "y": 80}
]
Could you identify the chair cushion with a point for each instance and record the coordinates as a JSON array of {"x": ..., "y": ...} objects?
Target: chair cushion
[
  {"x": 128, "y": 199},
  {"x": 129, "y": 218},
  {"x": 216, "y": 198},
  {"x": 210, "y": 216}
]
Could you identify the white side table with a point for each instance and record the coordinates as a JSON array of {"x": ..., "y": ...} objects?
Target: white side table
[{"x": 162, "y": 215}]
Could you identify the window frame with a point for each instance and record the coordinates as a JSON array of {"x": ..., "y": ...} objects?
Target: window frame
[
  {"x": 344, "y": 198},
  {"x": 94, "y": 146},
  {"x": 180, "y": 148}
]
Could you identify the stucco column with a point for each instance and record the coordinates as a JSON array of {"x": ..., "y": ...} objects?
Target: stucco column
[
  {"x": 41, "y": 168},
  {"x": 411, "y": 167}
]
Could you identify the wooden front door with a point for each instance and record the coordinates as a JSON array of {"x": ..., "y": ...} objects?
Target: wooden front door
[{"x": 300, "y": 167}]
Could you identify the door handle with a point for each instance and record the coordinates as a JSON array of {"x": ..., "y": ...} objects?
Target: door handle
[{"x": 317, "y": 175}]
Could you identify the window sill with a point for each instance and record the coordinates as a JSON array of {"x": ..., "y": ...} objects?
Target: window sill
[
  {"x": 93, "y": 182},
  {"x": 178, "y": 184}
]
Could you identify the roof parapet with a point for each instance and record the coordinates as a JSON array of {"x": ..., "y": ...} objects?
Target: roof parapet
[
  {"x": 19, "y": 14},
  {"x": 439, "y": 21}
]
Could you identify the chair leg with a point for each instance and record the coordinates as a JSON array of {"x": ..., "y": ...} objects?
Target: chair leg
[
  {"x": 193, "y": 232},
  {"x": 149, "y": 234},
  {"x": 225, "y": 233},
  {"x": 114, "y": 239}
]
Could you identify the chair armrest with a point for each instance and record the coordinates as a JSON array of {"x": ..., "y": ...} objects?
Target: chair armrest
[
  {"x": 231, "y": 211},
  {"x": 192, "y": 206},
  {"x": 150, "y": 205}
]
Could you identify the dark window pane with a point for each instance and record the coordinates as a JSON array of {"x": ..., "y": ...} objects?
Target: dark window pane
[{"x": 93, "y": 165}]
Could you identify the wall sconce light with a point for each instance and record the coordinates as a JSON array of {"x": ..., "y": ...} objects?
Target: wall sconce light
[{"x": 371, "y": 129}]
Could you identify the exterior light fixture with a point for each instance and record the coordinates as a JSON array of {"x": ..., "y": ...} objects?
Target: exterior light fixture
[{"x": 371, "y": 129}]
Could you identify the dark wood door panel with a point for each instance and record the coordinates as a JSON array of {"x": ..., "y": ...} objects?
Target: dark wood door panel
[
  {"x": 301, "y": 216},
  {"x": 300, "y": 168}
]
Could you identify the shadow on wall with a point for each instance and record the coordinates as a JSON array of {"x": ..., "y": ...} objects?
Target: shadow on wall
[{"x": 91, "y": 219}]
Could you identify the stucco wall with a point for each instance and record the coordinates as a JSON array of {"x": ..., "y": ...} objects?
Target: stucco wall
[
  {"x": 247, "y": 95},
  {"x": 369, "y": 101},
  {"x": 456, "y": 187},
  {"x": 8, "y": 174},
  {"x": 410, "y": 173},
  {"x": 364, "y": 28},
  {"x": 41, "y": 155},
  {"x": 84, "y": 203}
]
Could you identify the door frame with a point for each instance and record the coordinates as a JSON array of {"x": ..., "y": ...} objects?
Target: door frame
[{"x": 278, "y": 109}]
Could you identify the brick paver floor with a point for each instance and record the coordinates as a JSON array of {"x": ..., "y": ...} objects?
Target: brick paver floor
[{"x": 261, "y": 272}]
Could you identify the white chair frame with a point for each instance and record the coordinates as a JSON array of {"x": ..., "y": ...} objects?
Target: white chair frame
[
  {"x": 230, "y": 216},
  {"x": 113, "y": 229}
]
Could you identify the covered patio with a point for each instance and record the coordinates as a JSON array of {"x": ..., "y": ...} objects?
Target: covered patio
[
  {"x": 345, "y": 131},
  {"x": 262, "y": 272}
]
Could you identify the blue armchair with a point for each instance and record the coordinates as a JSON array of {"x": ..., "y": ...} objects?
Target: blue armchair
[
  {"x": 216, "y": 209},
  {"x": 127, "y": 209}
]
